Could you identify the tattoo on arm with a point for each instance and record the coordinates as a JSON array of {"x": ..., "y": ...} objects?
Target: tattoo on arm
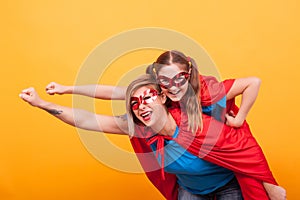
[
  {"x": 54, "y": 111},
  {"x": 122, "y": 117}
]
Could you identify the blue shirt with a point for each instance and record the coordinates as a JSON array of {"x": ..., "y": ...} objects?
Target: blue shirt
[{"x": 194, "y": 174}]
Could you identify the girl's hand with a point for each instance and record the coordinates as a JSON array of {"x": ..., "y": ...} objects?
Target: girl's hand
[
  {"x": 55, "y": 88},
  {"x": 232, "y": 120},
  {"x": 30, "y": 96}
]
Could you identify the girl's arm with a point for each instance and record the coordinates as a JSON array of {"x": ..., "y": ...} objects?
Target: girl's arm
[
  {"x": 248, "y": 88},
  {"x": 96, "y": 91},
  {"x": 77, "y": 117}
]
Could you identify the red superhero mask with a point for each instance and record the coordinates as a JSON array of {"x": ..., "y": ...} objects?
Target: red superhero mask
[
  {"x": 178, "y": 80},
  {"x": 148, "y": 96}
]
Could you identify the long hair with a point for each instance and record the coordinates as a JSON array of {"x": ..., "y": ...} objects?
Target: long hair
[
  {"x": 192, "y": 97},
  {"x": 143, "y": 80}
]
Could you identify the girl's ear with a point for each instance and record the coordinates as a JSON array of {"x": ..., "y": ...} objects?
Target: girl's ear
[{"x": 163, "y": 98}]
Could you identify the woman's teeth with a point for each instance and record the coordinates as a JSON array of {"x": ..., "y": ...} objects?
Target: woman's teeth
[{"x": 145, "y": 114}]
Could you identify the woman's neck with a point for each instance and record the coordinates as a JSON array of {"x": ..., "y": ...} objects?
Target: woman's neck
[{"x": 169, "y": 126}]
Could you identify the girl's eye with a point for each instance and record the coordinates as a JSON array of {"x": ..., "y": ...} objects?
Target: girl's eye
[
  {"x": 179, "y": 80},
  {"x": 164, "y": 81}
]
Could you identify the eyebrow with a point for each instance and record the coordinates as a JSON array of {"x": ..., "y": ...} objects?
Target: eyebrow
[{"x": 172, "y": 76}]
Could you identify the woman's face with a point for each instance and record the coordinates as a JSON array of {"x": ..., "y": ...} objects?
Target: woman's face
[
  {"x": 148, "y": 106},
  {"x": 173, "y": 81}
]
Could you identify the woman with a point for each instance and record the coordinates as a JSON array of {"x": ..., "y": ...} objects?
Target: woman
[
  {"x": 180, "y": 80},
  {"x": 148, "y": 118}
]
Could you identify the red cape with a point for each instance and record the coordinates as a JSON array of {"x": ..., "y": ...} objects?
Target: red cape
[{"x": 232, "y": 148}]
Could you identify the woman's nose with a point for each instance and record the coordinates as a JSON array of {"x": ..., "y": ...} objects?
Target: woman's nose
[{"x": 142, "y": 106}]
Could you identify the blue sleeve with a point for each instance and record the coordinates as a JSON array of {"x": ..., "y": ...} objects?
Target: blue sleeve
[{"x": 216, "y": 110}]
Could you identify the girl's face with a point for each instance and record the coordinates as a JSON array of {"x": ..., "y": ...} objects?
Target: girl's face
[
  {"x": 148, "y": 106},
  {"x": 173, "y": 81}
]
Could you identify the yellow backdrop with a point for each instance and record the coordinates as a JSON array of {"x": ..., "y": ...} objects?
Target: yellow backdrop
[{"x": 43, "y": 41}]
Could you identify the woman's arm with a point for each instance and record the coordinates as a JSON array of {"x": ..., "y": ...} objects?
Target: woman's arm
[
  {"x": 96, "y": 91},
  {"x": 248, "y": 88},
  {"x": 77, "y": 117}
]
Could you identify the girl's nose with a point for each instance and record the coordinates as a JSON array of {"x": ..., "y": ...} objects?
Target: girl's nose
[{"x": 173, "y": 88}]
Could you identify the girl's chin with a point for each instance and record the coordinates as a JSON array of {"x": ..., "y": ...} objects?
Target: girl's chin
[{"x": 175, "y": 98}]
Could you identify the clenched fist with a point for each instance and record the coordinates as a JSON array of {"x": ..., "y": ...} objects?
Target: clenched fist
[
  {"x": 30, "y": 96},
  {"x": 55, "y": 88}
]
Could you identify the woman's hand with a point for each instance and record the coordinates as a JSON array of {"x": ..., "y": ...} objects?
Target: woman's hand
[
  {"x": 232, "y": 120},
  {"x": 55, "y": 88},
  {"x": 30, "y": 96}
]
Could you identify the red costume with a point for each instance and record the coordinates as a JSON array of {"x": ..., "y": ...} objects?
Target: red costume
[{"x": 233, "y": 148}]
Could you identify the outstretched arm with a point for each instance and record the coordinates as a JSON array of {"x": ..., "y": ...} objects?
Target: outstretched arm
[
  {"x": 248, "y": 88},
  {"x": 77, "y": 117},
  {"x": 96, "y": 91}
]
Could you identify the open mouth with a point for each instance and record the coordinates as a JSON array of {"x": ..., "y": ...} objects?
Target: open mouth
[
  {"x": 174, "y": 92},
  {"x": 146, "y": 115}
]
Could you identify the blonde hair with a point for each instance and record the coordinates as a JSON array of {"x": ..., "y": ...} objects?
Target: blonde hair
[
  {"x": 191, "y": 99},
  {"x": 143, "y": 80}
]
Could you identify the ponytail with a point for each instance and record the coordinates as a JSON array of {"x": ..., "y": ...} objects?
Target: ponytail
[{"x": 151, "y": 70}]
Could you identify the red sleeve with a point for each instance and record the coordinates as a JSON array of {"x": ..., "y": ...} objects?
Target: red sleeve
[
  {"x": 228, "y": 84},
  {"x": 252, "y": 189},
  {"x": 212, "y": 90}
]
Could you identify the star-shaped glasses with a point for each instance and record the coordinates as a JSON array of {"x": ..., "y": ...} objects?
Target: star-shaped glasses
[{"x": 148, "y": 96}]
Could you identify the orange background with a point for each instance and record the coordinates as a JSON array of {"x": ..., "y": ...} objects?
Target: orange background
[{"x": 43, "y": 41}]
